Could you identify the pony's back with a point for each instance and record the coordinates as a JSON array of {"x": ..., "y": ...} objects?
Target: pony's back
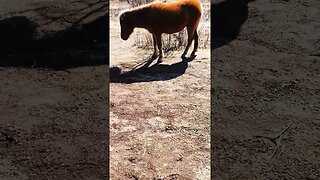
[{"x": 174, "y": 5}]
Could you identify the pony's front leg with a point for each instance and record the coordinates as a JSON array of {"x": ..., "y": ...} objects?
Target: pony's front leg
[{"x": 155, "y": 52}]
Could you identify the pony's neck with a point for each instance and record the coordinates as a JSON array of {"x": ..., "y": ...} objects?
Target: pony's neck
[{"x": 139, "y": 16}]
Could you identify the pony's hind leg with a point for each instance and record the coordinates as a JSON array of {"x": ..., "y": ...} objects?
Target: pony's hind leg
[
  {"x": 158, "y": 38},
  {"x": 196, "y": 43},
  {"x": 155, "y": 52},
  {"x": 190, "y": 30}
]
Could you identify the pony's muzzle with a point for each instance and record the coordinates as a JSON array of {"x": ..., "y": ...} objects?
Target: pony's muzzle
[{"x": 124, "y": 36}]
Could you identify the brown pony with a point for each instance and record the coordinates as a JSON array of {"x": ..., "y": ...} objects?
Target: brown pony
[{"x": 159, "y": 17}]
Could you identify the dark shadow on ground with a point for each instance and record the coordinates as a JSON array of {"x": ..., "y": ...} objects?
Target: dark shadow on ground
[
  {"x": 227, "y": 18},
  {"x": 79, "y": 45},
  {"x": 147, "y": 73}
]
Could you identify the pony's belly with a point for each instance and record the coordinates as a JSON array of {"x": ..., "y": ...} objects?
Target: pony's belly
[
  {"x": 173, "y": 25},
  {"x": 174, "y": 30},
  {"x": 167, "y": 28}
]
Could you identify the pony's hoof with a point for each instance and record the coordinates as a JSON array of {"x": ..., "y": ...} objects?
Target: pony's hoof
[
  {"x": 153, "y": 57},
  {"x": 183, "y": 57},
  {"x": 193, "y": 55},
  {"x": 159, "y": 60}
]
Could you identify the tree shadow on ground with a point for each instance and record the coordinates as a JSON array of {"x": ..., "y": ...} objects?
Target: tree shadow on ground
[
  {"x": 227, "y": 18},
  {"x": 143, "y": 72},
  {"x": 79, "y": 45}
]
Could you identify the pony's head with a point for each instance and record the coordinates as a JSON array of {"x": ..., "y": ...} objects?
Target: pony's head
[{"x": 126, "y": 25}]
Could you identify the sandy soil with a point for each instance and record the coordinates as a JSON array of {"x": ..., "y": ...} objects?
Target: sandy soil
[
  {"x": 53, "y": 123},
  {"x": 263, "y": 80},
  {"x": 159, "y": 114}
]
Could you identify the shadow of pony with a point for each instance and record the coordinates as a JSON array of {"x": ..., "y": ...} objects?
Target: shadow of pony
[{"x": 143, "y": 72}]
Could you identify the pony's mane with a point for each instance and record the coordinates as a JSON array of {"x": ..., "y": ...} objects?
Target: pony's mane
[{"x": 137, "y": 8}]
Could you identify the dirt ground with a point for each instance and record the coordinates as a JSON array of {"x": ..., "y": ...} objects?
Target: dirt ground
[
  {"x": 159, "y": 115},
  {"x": 263, "y": 80},
  {"x": 53, "y": 122},
  {"x": 264, "y": 74}
]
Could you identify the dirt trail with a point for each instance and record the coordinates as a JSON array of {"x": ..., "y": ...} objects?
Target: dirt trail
[{"x": 161, "y": 128}]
